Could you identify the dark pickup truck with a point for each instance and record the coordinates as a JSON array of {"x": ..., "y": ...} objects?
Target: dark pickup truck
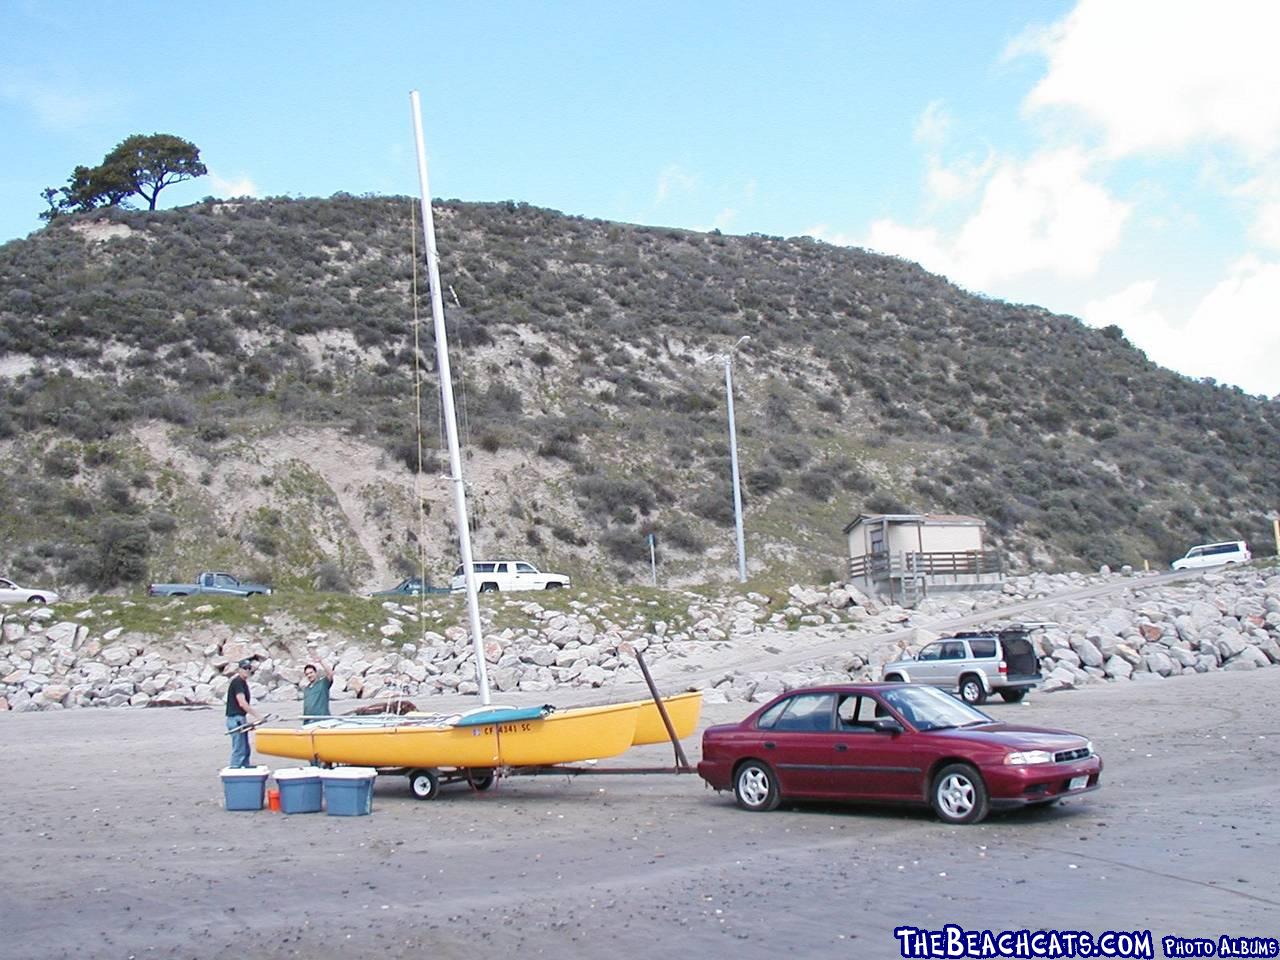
[{"x": 211, "y": 584}]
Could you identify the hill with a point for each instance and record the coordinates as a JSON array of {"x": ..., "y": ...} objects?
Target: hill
[{"x": 232, "y": 384}]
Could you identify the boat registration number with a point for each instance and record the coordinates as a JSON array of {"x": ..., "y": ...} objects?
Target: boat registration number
[{"x": 1078, "y": 783}]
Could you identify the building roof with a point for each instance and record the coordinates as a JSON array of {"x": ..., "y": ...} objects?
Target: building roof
[{"x": 917, "y": 519}]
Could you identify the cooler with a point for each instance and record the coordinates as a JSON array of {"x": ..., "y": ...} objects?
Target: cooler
[
  {"x": 244, "y": 787},
  {"x": 348, "y": 791},
  {"x": 300, "y": 789}
]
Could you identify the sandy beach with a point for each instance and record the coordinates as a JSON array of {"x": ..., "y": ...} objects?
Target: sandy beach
[{"x": 117, "y": 846}]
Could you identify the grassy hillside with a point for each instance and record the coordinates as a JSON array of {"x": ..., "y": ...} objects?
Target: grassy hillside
[{"x": 232, "y": 384}]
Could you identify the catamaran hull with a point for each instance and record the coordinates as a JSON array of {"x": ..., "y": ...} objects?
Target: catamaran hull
[
  {"x": 567, "y": 736},
  {"x": 683, "y": 709}
]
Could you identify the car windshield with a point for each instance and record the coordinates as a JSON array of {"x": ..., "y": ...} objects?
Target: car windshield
[{"x": 927, "y": 708}]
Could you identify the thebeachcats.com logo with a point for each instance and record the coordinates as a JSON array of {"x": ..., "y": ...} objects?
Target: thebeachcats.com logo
[{"x": 954, "y": 941}]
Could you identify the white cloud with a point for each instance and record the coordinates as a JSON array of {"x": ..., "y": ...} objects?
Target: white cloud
[
  {"x": 55, "y": 106},
  {"x": 240, "y": 186},
  {"x": 1044, "y": 215},
  {"x": 823, "y": 231},
  {"x": 933, "y": 125},
  {"x": 672, "y": 181},
  {"x": 1164, "y": 74},
  {"x": 948, "y": 183},
  {"x": 1231, "y": 335}
]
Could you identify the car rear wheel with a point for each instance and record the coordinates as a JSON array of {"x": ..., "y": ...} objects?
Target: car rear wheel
[
  {"x": 1013, "y": 696},
  {"x": 893, "y": 678},
  {"x": 959, "y": 795},
  {"x": 424, "y": 784},
  {"x": 971, "y": 691},
  {"x": 480, "y": 778},
  {"x": 755, "y": 788},
  {"x": 488, "y": 587},
  {"x": 37, "y": 599}
]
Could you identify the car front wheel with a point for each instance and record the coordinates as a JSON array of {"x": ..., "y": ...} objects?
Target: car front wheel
[
  {"x": 959, "y": 795},
  {"x": 755, "y": 788},
  {"x": 971, "y": 691}
]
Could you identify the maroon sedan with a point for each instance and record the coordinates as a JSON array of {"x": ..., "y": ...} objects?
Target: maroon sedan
[{"x": 893, "y": 742}]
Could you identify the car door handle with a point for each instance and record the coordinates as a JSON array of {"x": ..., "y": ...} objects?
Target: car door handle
[
  {"x": 769, "y": 744},
  {"x": 842, "y": 746}
]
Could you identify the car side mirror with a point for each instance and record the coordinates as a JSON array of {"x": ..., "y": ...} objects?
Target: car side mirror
[{"x": 886, "y": 725}]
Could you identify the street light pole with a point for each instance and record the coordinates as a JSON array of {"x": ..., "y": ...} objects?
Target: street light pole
[{"x": 733, "y": 460}]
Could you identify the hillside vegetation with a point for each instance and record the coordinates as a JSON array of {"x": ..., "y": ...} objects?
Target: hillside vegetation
[{"x": 232, "y": 385}]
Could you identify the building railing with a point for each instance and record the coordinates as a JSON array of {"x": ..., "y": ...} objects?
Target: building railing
[{"x": 932, "y": 565}]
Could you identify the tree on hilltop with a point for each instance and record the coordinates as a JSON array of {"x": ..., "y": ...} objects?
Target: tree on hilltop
[{"x": 138, "y": 166}]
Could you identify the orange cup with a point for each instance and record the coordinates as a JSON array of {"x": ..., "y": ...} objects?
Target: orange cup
[{"x": 273, "y": 799}]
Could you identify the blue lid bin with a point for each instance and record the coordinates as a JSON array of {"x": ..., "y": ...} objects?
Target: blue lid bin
[
  {"x": 300, "y": 789},
  {"x": 243, "y": 788},
  {"x": 348, "y": 791}
]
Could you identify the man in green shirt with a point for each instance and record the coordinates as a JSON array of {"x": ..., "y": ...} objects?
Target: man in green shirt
[{"x": 315, "y": 695}]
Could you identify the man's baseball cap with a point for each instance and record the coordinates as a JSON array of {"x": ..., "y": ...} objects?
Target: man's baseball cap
[{"x": 246, "y": 664}]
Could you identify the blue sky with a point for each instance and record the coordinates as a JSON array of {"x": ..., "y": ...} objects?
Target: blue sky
[{"x": 1117, "y": 161}]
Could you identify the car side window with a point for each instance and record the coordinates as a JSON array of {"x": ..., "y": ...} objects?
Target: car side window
[
  {"x": 525, "y": 568},
  {"x": 770, "y": 716},
  {"x": 856, "y": 714},
  {"x": 983, "y": 646},
  {"x": 808, "y": 712},
  {"x": 1195, "y": 552},
  {"x": 952, "y": 650},
  {"x": 7, "y": 584},
  {"x": 932, "y": 652}
]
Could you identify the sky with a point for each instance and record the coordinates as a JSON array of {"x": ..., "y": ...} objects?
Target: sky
[{"x": 1114, "y": 160}]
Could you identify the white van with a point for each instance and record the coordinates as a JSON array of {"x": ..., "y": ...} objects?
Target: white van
[
  {"x": 1214, "y": 555},
  {"x": 508, "y": 575}
]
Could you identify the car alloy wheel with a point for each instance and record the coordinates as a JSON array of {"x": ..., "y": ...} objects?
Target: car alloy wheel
[
  {"x": 971, "y": 691},
  {"x": 959, "y": 795},
  {"x": 754, "y": 787}
]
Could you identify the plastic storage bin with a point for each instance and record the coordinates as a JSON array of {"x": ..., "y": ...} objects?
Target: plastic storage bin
[
  {"x": 244, "y": 787},
  {"x": 300, "y": 789},
  {"x": 348, "y": 791}
]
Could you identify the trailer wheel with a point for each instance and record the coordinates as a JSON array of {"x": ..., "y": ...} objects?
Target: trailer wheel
[
  {"x": 424, "y": 784},
  {"x": 480, "y": 779}
]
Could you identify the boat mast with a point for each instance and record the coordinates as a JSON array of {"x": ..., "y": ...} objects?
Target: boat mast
[{"x": 446, "y": 399}]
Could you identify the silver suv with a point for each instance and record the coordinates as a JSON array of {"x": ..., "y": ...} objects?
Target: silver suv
[{"x": 975, "y": 664}]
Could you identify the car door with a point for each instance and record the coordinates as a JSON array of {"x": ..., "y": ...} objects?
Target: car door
[
  {"x": 925, "y": 669},
  {"x": 223, "y": 584},
  {"x": 8, "y": 591},
  {"x": 526, "y": 576},
  {"x": 799, "y": 745},
  {"x": 873, "y": 764}
]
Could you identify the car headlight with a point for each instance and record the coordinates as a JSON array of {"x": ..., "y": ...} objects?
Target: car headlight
[{"x": 1022, "y": 758}]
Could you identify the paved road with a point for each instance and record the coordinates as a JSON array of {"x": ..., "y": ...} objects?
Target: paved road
[{"x": 116, "y": 847}]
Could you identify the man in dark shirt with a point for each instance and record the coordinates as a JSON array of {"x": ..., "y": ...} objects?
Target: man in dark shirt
[
  {"x": 238, "y": 712},
  {"x": 315, "y": 696}
]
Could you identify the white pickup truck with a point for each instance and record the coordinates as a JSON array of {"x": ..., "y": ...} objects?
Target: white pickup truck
[{"x": 508, "y": 575}]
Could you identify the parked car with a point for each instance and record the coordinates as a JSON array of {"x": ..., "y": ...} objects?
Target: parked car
[
  {"x": 212, "y": 583},
  {"x": 975, "y": 664},
  {"x": 893, "y": 743},
  {"x": 412, "y": 587},
  {"x": 10, "y": 592},
  {"x": 508, "y": 575},
  {"x": 1214, "y": 554}
]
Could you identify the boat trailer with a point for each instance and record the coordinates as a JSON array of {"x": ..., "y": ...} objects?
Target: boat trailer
[{"x": 425, "y": 783}]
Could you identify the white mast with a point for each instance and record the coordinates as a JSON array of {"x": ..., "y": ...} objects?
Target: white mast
[{"x": 446, "y": 398}]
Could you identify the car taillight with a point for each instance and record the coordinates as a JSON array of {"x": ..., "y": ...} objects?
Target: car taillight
[{"x": 1004, "y": 667}]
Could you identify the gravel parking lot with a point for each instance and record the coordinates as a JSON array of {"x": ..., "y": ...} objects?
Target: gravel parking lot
[{"x": 117, "y": 846}]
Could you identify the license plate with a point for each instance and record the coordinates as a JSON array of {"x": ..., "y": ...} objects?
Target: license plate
[{"x": 1077, "y": 783}]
